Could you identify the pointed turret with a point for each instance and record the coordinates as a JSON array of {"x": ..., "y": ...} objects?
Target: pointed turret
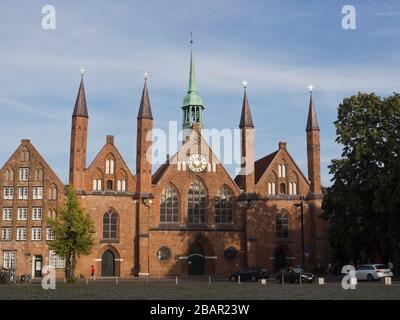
[
  {"x": 246, "y": 126},
  {"x": 313, "y": 149},
  {"x": 80, "y": 104},
  {"x": 145, "y": 107},
  {"x": 312, "y": 122},
  {"x": 79, "y": 131},
  {"x": 143, "y": 193},
  {"x": 245, "y": 120}
]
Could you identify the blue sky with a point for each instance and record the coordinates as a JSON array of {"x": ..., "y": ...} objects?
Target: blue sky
[{"x": 279, "y": 47}]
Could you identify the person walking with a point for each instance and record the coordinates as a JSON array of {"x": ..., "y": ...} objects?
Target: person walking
[{"x": 92, "y": 272}]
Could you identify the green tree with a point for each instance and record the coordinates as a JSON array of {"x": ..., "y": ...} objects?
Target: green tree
[
  {"x": 362, "y": 204},
  {"x": 73, "y": 232}
]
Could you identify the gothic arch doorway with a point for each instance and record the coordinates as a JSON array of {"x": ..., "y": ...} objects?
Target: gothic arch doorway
[
  {"x": 108, "y": 264},
  {"x": 280, "y": 260},
  {"x": 196, "y": 264}
]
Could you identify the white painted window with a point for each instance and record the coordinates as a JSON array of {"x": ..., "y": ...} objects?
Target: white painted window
[
  {"x": 290, "y": 188},
  {"x": 22, "y": 214},
  {"x": 110, "y": 166},
  {"x": 49, "y": 234},
  {"x": 107, "y": 166},
  {"x": 183, "y": 166},
  {"x": 271, "y": 188},
  {"x": 37, "y": 213},
  {"x": 279, "y": 171},
  {"x": 9, "y": 259},
  {"x": 8, "y": 193},
  {"x": 38, "y": 193},
  {"x": 36, "y": 234},
  {"x": 21, "y": 234},
  {"x": 6, "y": 234},
  {"x": 23, "y": 174},
  {"x": 179, "y": 166},
  {"x": 214, "y": 167},
  {"x": 55, "y": 261},
  {"x": 23, "y": 193},
  {"x": 99, "y": 184},
  {"x": 121, "y": 185},
  {"x": 7, "y": 214},
  {"x": 282, "y": 171},
  {"x": 294, "y": 188}
]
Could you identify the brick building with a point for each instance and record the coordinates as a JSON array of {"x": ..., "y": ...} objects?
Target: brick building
[{"x": 189, "y": 217}]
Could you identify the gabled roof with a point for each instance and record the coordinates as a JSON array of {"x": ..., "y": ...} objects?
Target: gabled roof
[
  {"x": 110, "y": 141},
  {"x": 261, "y": 165},
  {"x": 165, "y": 166},
  {"x": 27, "y": 143}
]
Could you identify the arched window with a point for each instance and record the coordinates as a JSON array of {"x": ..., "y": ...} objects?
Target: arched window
[
  {"x": 110, "y": 166},
  {"x": 282, "y": 226},
  {"x": 110, "y": 224},
  {"x": 39, "y": 175},
  {"x": 53, "y": 193},
  {"x": 271, "y": 188},
  {"x": 9, "y": 175},
  {"x": 97, "y": 185},
  {"x": 196, "y": 203},
  {"x": 109, "y": 185},
  {"x": 121, "y": 185},
  {"x": 282, "y": 188},
  {"x": 169, "y": 205},
  {"x": 25, "y": 154},
  {"x": 223, "y": 206},
  {"x": 292, "y": 188},
  {"x": 282, "y": 171}
]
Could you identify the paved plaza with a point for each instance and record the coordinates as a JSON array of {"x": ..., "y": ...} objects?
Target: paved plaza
[{"x": 187, "y": 289}]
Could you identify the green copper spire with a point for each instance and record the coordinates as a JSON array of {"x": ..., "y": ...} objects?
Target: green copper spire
[{"x": 192, "y": 103}]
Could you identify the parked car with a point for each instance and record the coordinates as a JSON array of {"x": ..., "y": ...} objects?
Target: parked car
[
  {"x": 292, "y": 275},
  {"x": 250, "y": 274},
  {"x": 372, "y": 272}
]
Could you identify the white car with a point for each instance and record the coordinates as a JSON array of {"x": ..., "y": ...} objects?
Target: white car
[{"x": 373, "y": 272}]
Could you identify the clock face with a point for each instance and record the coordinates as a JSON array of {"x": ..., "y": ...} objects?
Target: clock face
[{"x": 197, "y": 162}]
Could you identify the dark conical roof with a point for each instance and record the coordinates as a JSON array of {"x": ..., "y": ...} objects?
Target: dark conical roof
[
  {"x": 245, "y": 120},
  {"x": 145, "y": 107},
  {"x": 80, "y": 109},
  {"x": 312, "y": 122}
]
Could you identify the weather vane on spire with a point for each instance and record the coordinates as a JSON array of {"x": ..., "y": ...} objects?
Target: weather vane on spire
[
  {"x": 82, "y": 71},
  {"x": 245, "y": 83},
  {"x": 146, "y": 75},
  {"x": 310, "y": 87},
  {"x": 191, "y": 37}
]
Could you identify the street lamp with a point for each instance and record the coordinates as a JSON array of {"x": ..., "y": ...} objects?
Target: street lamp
[{"x": 301, "y": 205}]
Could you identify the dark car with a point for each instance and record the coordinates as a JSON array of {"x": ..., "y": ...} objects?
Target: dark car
[
  {"x": 250, "y": 274},
  {"x": 293, "y": 275}
]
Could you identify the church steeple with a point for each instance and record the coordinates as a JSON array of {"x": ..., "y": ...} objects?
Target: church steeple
[
  {"x": 192, "y": 103},
  {"x": 245, "y": 120},
  {"x": 313, "y": 148},
  {"x": 145, "y": 107}
]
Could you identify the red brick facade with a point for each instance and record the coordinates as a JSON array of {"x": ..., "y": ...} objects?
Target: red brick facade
[{"x": 206, "y": 222}]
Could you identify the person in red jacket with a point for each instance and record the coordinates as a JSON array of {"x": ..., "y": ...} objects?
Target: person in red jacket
[{"x": 93, "y": 272}]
